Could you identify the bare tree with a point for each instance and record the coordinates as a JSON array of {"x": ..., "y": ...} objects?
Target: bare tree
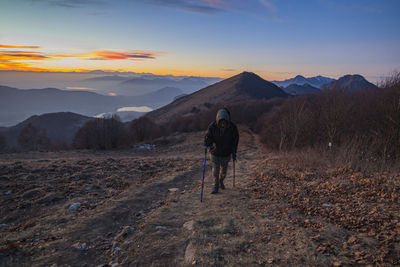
[{"x": 33, "y": 138}]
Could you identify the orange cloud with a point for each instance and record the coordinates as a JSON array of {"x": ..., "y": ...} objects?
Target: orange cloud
[
  {"x": 7, "y": 65},
  {"x": 132, "y": 55},
  {"x": 19, "y": 46},
  {"x": 10, "y": 57},
  {"x": 22, "y": 56}
]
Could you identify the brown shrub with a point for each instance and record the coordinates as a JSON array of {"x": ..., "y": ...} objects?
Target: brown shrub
[
  {"x": 365, "y": 124},
  {"x": 100, "y": 134},
  {"x": 33, "y": 138}
]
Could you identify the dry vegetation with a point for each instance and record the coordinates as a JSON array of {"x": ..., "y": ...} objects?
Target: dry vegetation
[{"x": 363, "y": 207}]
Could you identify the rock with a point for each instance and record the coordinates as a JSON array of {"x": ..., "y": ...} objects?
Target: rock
[
  {"x": 326, "y": 205},
  {"x": 74, "y": 206},
  {"x": 140, "y": 213},
  {"x": 80, "y": 246},
  {"x": 116, "y": 251},
  {"x": 173, "y": 189},
  {"x": 8, "y": 192},
  {"x": 3, "y": 225},
  {"x": 161, "y": 228},
  {"x": 115, "y": 248},
  {"x": 187, "y": 187},
  {"x": 126, "y": 231},
  {"x": 115, "y": 265},
  {"x": 125, "y": 261},
  {"x": 189, "y": 225},
  {"x": 189, "y": 253}
]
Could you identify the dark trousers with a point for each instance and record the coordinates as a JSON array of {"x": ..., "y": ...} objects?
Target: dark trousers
[{"x": 220, "y": 167}]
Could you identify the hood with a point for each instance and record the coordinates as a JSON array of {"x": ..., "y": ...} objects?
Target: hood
[{"x": 222, "y": 114}]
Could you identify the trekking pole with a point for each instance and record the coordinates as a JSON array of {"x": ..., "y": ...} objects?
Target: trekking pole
[
  {"x": 204, "y": 171},
  {"x": 233, "y": 173}
]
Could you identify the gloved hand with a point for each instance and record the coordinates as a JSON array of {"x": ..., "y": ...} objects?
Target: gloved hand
[
  {"x": 207, "y": 141},
  {"x": 234, "y": 156}
]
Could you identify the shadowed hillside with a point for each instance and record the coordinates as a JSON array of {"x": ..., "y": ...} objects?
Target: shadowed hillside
[
  {"x": 60, "y": 127},
  {"x": 242, "y": 87}
]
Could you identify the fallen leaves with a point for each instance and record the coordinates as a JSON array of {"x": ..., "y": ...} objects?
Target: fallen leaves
[{"x": 367, "y": 206}]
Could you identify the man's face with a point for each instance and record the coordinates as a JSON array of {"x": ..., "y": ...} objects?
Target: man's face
[{"x": 223, "y": 124}]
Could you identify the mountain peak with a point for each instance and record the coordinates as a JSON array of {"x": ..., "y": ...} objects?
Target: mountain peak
[
  {"x": 241, "y": 87},
  {"x": 247, "y": 74},
  {"x": 351, "y": 82}
]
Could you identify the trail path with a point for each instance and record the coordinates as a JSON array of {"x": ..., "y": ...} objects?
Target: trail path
[
  {"x": 144, "y": 209},
  {"x": 226, "y": 229}
]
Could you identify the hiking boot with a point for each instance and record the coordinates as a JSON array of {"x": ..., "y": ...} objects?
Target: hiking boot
[
  {"x": 215, "y": 190},
  {"x": 221, "y": 184}
]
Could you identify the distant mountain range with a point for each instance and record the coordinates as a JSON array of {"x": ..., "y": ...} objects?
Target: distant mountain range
[
  {"x": 317, "y": 81},
  {"x": 104, "y": 82},
  {"x": 17, "y": 105},
  {"x": 299, "y": 84},
  {"x": 138, "y": 86},
  {"x": 60, "y": 127},
  {"x": 242, "y": 87},
  {"x": 128, "y": 86}
]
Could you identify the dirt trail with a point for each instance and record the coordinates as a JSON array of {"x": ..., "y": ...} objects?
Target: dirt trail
[
  {"x": 147, "y": 212},
  {"x": 226, "y": 229}
]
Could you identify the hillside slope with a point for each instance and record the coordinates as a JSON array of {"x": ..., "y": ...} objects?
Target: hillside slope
[
  {"x": 60, "y": 127},
  {"x": 241, "y": 87},
  {"x": 351, "y": 83}
]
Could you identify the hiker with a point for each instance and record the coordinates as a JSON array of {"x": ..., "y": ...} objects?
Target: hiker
[{"x": 222, "y": 138}]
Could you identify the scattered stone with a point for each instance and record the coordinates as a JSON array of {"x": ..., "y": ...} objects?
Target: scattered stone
[
  {"x": 173, "y": 189},
  {"x": 3, "y": 225},
  {"x": 80, "y": 246},
  {"x": 189, "y": 225},
  {"x": 74, "y": 206},
  {"x": 116, "y": 251},
  {"x": 189, "y": 253},
  {"x": 161, "y": 228},
  {"x": 115, "y": 248},
  {"x": 126, "y": 231},
  {"x": 125, "y": 261},
  {"x": 187, "y": 187},
  {"x": 8, "y": 192},
  {"x": 140, "y": 213},
  {"x": 326, "y": 205}
]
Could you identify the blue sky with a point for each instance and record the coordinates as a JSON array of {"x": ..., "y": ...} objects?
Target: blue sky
[{"x": 277, "y": 39}]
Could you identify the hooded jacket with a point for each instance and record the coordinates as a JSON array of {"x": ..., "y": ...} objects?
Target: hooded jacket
[{"x": 222, "y": 141}]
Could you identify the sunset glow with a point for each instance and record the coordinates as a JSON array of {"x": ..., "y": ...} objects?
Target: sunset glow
[{"x": 276, "y": 39}]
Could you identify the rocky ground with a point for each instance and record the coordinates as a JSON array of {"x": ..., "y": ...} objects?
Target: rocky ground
[{"x": 142, "y": 207}]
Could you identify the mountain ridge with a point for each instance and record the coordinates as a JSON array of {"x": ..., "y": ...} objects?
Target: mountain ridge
[
  {"x": 350, "y": 83},
  {"x": 241, "y": 87},
  {"x": 316, "y": 81}
]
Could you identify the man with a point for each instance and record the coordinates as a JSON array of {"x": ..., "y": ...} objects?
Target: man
[{"x": 222, "y": 138}]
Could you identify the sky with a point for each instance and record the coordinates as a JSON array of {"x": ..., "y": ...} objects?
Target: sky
[{"x": 276, "y": 39}]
